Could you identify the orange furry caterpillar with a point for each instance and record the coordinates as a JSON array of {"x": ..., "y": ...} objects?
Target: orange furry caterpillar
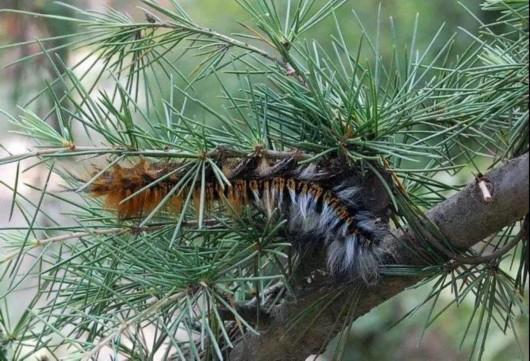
[
  {"x": 319, "y": 203},
  {"x": 120, "y": 183}
]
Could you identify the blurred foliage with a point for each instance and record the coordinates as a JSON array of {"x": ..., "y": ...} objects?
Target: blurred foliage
[
  {"x": 382, "y": 336},
  {"x": 227, "y": 17},
  {"x": 16, "y": 29}
]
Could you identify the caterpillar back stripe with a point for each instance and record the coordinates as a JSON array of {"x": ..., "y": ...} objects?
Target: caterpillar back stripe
[{"x": 317, "y": 203}]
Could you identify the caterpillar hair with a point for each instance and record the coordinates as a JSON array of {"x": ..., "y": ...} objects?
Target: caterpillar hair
[{"x": 322, "y": 206}]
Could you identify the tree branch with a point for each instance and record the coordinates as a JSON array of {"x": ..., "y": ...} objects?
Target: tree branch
[{"x": 465, "y": 219}]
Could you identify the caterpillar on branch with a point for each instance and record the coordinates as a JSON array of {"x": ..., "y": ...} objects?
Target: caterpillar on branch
[{"x": 323, "y": 204}]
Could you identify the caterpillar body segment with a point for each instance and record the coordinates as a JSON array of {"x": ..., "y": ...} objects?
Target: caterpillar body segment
[{"x": 318, "y": 204}]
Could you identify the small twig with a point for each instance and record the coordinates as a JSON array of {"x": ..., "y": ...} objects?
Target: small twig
[
  {"x": 222, "y": 37},
  {"x": 42, "y": 242},
  {"x": 222, "y": 151},
  {"x": 219, "y": 151},
  {"x": 116, "y": 231},
  {"x": 229, "y": 41},
  {"x": 64, "y": 237}
]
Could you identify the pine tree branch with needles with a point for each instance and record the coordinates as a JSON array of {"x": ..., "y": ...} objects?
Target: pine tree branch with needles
[
  {"x": 464, "y": 218},
  {"x": 247, "y": 196}
]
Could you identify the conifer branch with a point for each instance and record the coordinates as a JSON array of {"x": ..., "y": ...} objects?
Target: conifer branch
[
  {"x": 203, "y": 271},
  {"x": 464, "y": 219}
]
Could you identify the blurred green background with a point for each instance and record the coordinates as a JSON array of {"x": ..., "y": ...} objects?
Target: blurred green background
[{"x": 372, "y": 338}]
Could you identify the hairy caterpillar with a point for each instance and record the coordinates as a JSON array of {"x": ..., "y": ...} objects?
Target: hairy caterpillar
[{"x": 322, "y": 204}]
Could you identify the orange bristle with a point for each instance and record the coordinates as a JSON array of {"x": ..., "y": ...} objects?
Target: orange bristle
[
  {"x": 119, "y": 183},
  {"x": 176, "y": 204}
]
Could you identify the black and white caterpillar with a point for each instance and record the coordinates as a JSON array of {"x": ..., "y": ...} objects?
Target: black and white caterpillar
[{"x": 322, "y": 205}]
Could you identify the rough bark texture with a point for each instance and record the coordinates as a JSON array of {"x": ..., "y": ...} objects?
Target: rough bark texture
[{"x": 464, "y": 219}]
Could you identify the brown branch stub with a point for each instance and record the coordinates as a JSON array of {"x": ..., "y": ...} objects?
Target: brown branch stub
[
  {"x": 486, "y": 188},
  {"x": 464, "y": 219},
  {"x": 486, "y": 194}
]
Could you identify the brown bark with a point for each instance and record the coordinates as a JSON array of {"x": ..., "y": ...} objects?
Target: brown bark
[{"x": 464, "y": 219}]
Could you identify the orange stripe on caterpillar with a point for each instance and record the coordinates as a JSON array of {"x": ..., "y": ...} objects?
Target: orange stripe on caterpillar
[{"x": 119, "y": 183}]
